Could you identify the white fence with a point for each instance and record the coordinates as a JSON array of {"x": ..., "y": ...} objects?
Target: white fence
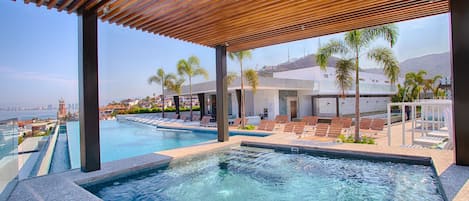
[{"x": 432, "y": 119}]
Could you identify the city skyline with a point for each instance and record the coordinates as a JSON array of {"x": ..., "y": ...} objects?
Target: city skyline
[{"x": 42, "y": 68}]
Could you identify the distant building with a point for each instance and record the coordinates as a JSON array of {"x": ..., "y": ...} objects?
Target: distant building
[{"x": 62, "y": 113}]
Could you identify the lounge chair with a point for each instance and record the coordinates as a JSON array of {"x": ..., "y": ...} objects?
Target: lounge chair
[
  {"x": 376, "y": 126},
  {"x": 237, "y": 122},
  {"x": 346, "y": 123},
  {"x": 310, "y": 120},
  {"x": 334, "y": 130},
  {"x": 205, "y": 122},
  {"x": 289, "y": 127},
  {"x": 321, "y": 129},
  {"x": 336, "y": 120},
  {"x": 365, "y": 123},
  {"x": 299, "y": 128},
  {"x": 270, "y": 126},
  {"x": 262, "y": 125},
  {"x": 281, "y": 119}
]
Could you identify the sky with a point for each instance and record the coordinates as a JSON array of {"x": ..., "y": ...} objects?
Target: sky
[{"x": 38, "y": 55}]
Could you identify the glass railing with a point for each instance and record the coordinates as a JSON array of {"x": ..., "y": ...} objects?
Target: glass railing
[{"x": 8, "y": 156}]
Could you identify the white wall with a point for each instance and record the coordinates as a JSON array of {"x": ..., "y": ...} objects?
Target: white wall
[
  {"x": 327, "y": 106},
  {"x": 266, "y": 99},
  {"x": 249, "y": 103},
  {"x": 304, "y": 104},
  {"x": 234, "y": 104},
  {"x": 367, "y": 104}
]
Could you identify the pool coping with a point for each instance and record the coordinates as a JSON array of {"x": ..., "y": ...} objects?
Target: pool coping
[{"x": 70, "y": 183}]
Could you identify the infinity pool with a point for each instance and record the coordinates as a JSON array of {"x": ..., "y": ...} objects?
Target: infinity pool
[
  {"x": 121, "y": 139},
  {"x": 244, "y": 173}
]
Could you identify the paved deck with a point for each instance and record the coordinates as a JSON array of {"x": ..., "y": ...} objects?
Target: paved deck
[{"x": 455, "y": 179}]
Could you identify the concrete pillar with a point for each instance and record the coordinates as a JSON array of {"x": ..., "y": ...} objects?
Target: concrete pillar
[
  {"x": 460, "y": 69},
  {"x": 88, "y": 90},
  {"x": 202, "y": 104},
  {"x": 176, "y": 104},
  {"x": 240, "y": 103},
  {"x": 222, "y": 93},
  {"x": 337, "y": 105}
]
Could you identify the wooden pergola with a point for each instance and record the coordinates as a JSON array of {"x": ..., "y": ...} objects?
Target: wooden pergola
[
  {"x": 234, "y": 25},
  {"x": 248, "y": 24}
]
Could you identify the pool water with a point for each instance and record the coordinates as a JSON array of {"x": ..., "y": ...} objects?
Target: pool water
[
  {"x": 244, "y": 173},
  {"x": 121, "y": 139}
]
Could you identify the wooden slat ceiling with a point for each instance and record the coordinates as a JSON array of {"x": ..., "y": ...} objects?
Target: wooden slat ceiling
[{"x": 248, "y": 24}]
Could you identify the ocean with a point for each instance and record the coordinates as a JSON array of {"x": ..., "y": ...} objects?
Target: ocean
[{"x": 28, "y": 114}]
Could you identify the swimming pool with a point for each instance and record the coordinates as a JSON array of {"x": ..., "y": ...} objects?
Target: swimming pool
[
  {"x": 121, "y": 139},
  {"x": 246, "y": 173}
]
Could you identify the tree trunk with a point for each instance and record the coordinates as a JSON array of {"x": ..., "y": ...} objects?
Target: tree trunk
[
  {"x": 357, "y": 100},
  {"x": 243, "y": 105},
  {"x": 190, "y": 96},
  {"x": 162, "y": 97}
]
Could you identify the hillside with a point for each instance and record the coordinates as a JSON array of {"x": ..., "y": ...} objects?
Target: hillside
[
  {"x": 434, "y": 64},
  {"x": 304, "y": 62}
]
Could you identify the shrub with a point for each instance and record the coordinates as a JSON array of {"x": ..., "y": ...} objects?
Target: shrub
[
  {"x": 350, "y": 139},
  {"x": 249, "y": 127}
]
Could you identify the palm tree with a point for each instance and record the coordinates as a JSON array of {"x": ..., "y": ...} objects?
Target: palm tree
[
  {"x": 230, "y": 78},
  {"x": 176, "y": 86},
  {"x": 352, "y": 47},
  {"x": 191, "y": 68},
  {"x": 343, "y": 75},
  {"x": 240, "y": 56},
  {"x": 431, "y": 85},
  {"x": 414, "y": 83},
  {"x": 251, "y": 77},
  {"x": 164, "y": 80}
]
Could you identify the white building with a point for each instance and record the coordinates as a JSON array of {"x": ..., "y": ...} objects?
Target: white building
[{"x": 298, "y": 93}]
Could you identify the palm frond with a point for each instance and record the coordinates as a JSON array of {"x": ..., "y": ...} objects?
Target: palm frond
[
  {"x": 252, "y": 78},
  {"x": 344, "y": 77},
  {"x": 231, "y": 77},
  {"x": 158, "y": 77},
  {"x": 325, "y": 52},
  {"x": 384, "y": 56},
  {"x": 176, "y": 86},
  {"x": 183, "y": 67},
  {"x": 354, "y": 39},
  {"x": 240, "y": 56},
  {"x": 200, "y": 71},
  {"x": 388, "y": 32}
]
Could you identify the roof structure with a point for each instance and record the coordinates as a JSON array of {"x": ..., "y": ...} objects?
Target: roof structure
[{"x": 249, "y": 24}]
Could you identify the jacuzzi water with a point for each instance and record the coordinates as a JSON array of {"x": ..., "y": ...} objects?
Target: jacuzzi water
[
  {"x": 122, "y": 139},
  {"x": 245, "y": 173}
]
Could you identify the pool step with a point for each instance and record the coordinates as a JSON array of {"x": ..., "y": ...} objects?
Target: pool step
[
  {"x": 441, "y": 134},
  {"x": 428, "y": 141}
]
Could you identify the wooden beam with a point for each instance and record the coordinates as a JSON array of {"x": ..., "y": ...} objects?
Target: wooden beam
[
  {"x": 39, "y": 2},
  {"x": 64, "y": 5},
  {"x": 76, "y": 5},
  {"x": 51, "y": 4}
]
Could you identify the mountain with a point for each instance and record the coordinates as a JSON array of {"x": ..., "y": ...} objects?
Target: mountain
[
  {"x": 304, "y": 62},
  {"x": 434, "y": 64}
]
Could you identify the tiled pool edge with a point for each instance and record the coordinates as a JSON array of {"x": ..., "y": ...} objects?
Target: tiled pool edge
[
  {"x": 134, "y": 165},
  {"x": 383, "y": 157}
]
